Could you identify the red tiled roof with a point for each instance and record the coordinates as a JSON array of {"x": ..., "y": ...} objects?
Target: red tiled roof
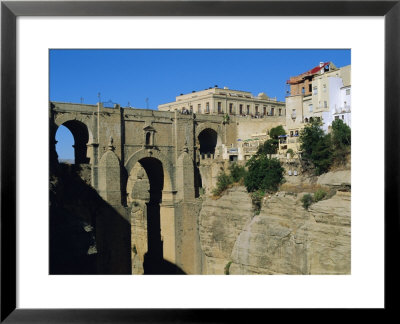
[
  {"x": 317, "y": 68},
  {"x": 313, "y": 71}
]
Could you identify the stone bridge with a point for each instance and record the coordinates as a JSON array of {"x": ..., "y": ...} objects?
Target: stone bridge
[{"x": 145, "y": 164}]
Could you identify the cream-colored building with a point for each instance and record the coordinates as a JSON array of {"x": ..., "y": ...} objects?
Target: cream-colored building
[
  {"x": 322, "y": 93},
  {"x": 215, "y": 101}
]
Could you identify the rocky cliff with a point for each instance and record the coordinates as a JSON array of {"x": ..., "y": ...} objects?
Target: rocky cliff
[{"x": 283, "y": 238}]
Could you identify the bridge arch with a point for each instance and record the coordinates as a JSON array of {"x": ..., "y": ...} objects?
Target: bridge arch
[
  {"x": 153, "y": 215},
  {"x": 208, "y": 137},
  {"x": 82, "y": 134},
  {"x": 168, "y": 183}
]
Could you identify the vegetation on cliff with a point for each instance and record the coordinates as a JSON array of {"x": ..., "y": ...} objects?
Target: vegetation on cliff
[
  {"x": 308, "y": 199},
  {"x": 263, "y": 173},
  {"x": 324, "y": 150},
  {"x": 236, "y": 175}
]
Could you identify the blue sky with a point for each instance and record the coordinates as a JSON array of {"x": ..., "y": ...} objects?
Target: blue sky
[{"x": 153, "y": 77}]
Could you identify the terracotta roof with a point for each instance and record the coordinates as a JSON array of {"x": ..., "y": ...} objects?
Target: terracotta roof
[{"x": 314, "y": 70}]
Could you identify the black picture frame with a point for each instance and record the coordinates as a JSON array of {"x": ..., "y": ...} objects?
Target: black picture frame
[{"x": 10, "y": 10}]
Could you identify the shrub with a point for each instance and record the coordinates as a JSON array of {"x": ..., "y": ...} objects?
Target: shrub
[
  {"x": 223, "y": 182},
  {"x": 227, "y": 266},
  {"x": 237, "y": 172},
  {"x": 263, "y": 173},
  {"x": 258, "y": 195},
  {"x": 307, "y": 200},
  {"x": 319, "y": 195},
  {"x": 290, "y": 151}
]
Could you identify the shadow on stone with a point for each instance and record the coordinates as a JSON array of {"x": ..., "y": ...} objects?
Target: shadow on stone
[
  {"x": 153, "y": 265},
  {"x": 87, "y": 235}
]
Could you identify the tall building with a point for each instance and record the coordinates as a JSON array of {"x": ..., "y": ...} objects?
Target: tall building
[
  {"x": 215, "y": 101},
  {"x": 322, "y": 93}
]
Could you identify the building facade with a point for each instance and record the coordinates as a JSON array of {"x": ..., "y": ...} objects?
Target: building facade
[
  {"x": 215, "y": 101},
  {"x": 322, "y": 93}
]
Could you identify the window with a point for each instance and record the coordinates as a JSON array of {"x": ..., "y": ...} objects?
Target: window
[
  {"x": 324, "y": 87},
  {"x": 343, "y": 117},
  {"x": 291, "y": 133},
  {"x": 303, "y": 91},
  {"x": 240, "y": 109},
  {"x": 256, "y": 110},
  {"x": 280, "y": 111},
  {"x": 325, "y": 104},
  {"x": 347, "y": 92},
  {"x": 199, "y": 108},
  {"x": 264, "y": 110},
  {"x": 315, "y": 90},
  {"x": 207, "y": 107},
  {"x": 296, "y": 133},
  {"x": 310, "y": 107},
  {"x": 219, "y": 108},
  {"x": 309, "y": 87},
  {"x": 148, "y": 137},
  {"x": 230, "y": 108},
  {"x": 191, "y": 109},
  {"x": 248, "y": 109},
  {"x": 336, "y": 117},
  {"x": 272, "y": 111}
]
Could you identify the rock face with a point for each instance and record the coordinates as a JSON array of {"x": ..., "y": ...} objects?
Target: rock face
[
  {"x": 335, "y": 179},
  {"x": 220, "y": 223},
  {"x": 286, "y": 239},
  {"x": 283, "y": 238}
]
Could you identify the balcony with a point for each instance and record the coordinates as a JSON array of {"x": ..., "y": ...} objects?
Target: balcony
[{"x": 344, "y": 109}]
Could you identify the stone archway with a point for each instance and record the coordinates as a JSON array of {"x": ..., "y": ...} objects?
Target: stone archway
[
  {"x": 152, "y": 214},
  {"x": 82, "y": 133}
]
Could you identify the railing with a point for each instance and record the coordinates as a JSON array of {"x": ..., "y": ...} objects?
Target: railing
[{"x": 250, "y": 149}]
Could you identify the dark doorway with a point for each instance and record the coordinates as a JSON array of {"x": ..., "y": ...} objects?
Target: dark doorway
[{"x": 208, "y": 141}]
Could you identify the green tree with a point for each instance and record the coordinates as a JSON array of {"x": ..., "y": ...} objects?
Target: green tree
[
  {"x": 275, "y": 132},
  {"x": 341, "y": 141},
  {"x": 316, "y": 146},
  {"x": 263, "y": 173},
  {"x": 321, "y": 155},
  {"x": 269, "y": 147},
  {"x": 341, "y": 133}
]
